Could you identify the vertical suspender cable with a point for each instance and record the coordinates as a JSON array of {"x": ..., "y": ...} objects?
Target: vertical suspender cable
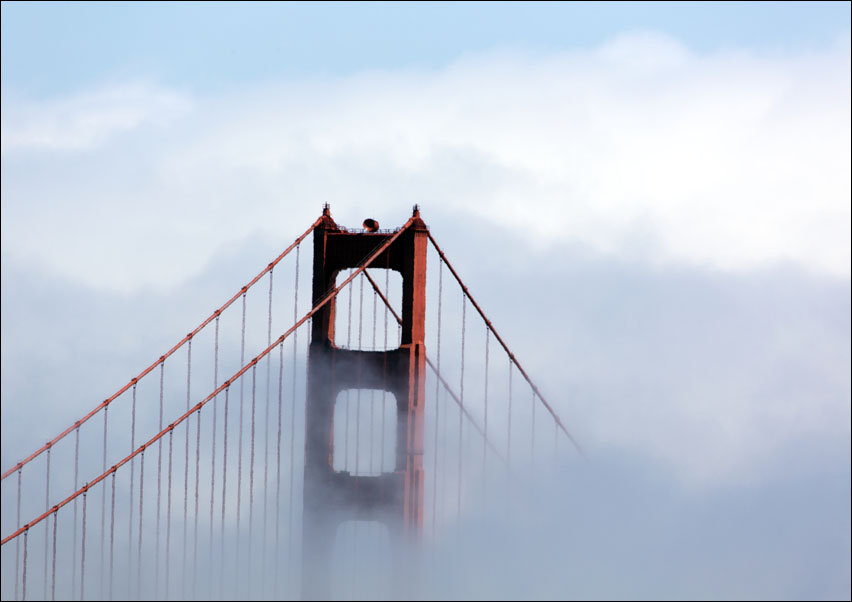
[
  {"x": 357, "y": 470},
  {"x": 76, "y": 475},
  {"x": 277, "y": 558},
  {"x": 372, "y": 400},
  {"x": 437, "y": 406},
  {"x": 197, "y": 473},
  {"x": 111, "y": 538},
  {"x": 372, "y": 391},
  {"x": 237, "y": 563},
  {"x": 213, "y": 453},
  {"x": 266, "y": 441},
  {"x": 53, "y": 562},
  {"x": 224, "y": 491},
  {"x": 103, "y": 512},
  {"x": 47, "y": 507},
  {"x": 461, "y": 402},
  {"x": 18, "y": 525},
  {"x": 348, "y": 346},
  {"x": 385, "y": 363},
  {"x": 139, "y": 548},
  {"x": 293, "y": 421},
  {"x": 308, "y": 336},
  {"x": 24, "y": 573},
  {"x": 159, "y": 490},
  {"x": 186, "y": 470},
  {"x": 293, "y": 416},
  {"x": 251, "y": 470},
  {"x": 132, "y": 470},
  {"x": 83, "y": 548},
  {"x": 169, "y": 511}
]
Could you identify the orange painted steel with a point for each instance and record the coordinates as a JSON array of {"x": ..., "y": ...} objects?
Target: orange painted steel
[
  {"x": 163, "y": 357},
  {"x": 330, "y": 295},
  {"x": 508, "y": 351}
]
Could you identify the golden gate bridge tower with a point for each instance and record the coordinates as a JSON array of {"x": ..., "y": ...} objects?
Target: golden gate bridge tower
[
  {"x": 224, "y": 468},
  {"x": 394, "y": 498}
]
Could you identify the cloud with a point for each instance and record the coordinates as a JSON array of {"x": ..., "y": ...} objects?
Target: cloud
[
  {"x": 639, "y": 148},
  {"x": 86, "y": 120}
]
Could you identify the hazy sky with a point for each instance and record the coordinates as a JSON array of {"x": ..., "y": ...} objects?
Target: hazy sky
[{"x": 663, "y": 189}]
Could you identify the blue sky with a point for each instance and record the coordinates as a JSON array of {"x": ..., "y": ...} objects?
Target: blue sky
[
  {"x": 53, "y": 47},
  {"x": 673, "y": 180}
]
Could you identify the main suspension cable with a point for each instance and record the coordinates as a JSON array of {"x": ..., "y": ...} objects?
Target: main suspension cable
[
  {"x": 163, "y": 357},
  {"x": 511, "y": 355},
  {"x": 331, "y": 294}
]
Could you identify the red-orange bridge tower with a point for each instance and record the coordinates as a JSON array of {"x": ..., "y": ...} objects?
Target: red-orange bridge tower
[{"x": 331, "y": 497}]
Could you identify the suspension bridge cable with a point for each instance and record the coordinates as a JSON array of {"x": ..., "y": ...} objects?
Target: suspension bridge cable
[
  {"x": 213, "y": 451},
  {"x": 185, "y": 472},
  {"x": 372, "y": 396},
  {"x": 53, "y": 562},
  {"x": 46, "y": 529},
  {"x": 224, "y": 491},
  {"x": 76, "y": 481},
  {"x": 159, "y": 489},
  {"x": 437, "y": 405},
  {"x": 195, "y": 529},
  {"x": 82, "y": 547},
  {"x": 251, "y": 473},
  {"x": 162, "y": 358},
  {"x": 132, "y": 470},
  {"x": 24, "y": 574},
  {"x": 348, "y": 346},
  {"x": 169, "y": 510},
  {"x": 435, "y": 369},
  {"x": 18, "y": 525},
  {"x": 331, "y": 294},
  {"x": 358, "y": 380},
  {"x": 308, "y": 338},
  {"x": 103, "y": 509},
  {"x": 293, "y": 416},
  {"x": 139, "y": 548},
  {"x": 237, "y": 562},
  {"x": 111, "y": 538},
  {"x": 385, "y": 356},
  {"x": 277, "y": 558},
  {"x": 512, "y": 357},
  {"x": 266, "y": 439}
]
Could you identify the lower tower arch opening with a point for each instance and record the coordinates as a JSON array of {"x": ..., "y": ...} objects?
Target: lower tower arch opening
[{"x": 365, "y": 432}]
